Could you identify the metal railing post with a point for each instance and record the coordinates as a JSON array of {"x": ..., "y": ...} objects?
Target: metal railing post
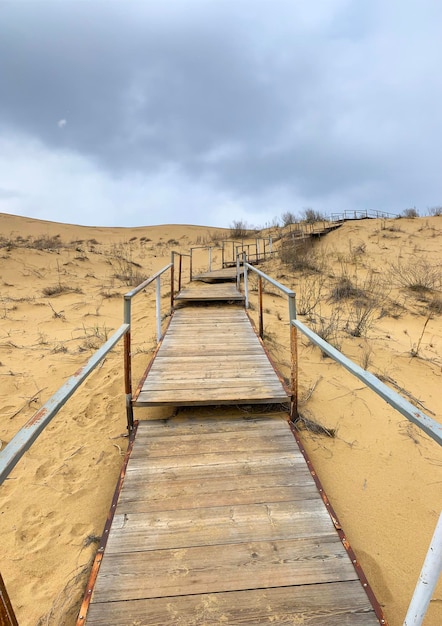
[
  {"x": 7, "y": 616},
  {"x": 128, "y": 365},
  {"x": 222, "y": 254},
  {"x": 246, "y": 281},
  {"x": 238, "y": 273},
  {"x": 294, "y": 371},
  {"x": 180, "y": 270},
  {"x": 210, "y": 259},
  {"x": 191, "y": 264},
  {"x": 172, "y": 280},
  {"x": 158, "y": 307},
  {"x": 261, "y": 317},
  {"x": 292, "y": 307},
  {"x": 431, "y": 570}
]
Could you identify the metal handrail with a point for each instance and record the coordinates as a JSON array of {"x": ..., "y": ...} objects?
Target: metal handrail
[
  {"x": 432, "y": 428},
  {"x": 262, "y": 276},
  {"x": 23, "y": 440}
]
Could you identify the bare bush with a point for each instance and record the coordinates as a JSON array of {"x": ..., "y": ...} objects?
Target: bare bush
[
  {"x": 288, "y": 218},
  {"x": 300, "y": 256},
  {"x": 363, "y": 309},
  {"x": 56, "y": 290},
  {"x": 436, "y": 211},
  {"x": 311, "y": 216},
  {"x": 410, "y": 213},
  {"x": 328, "y": 328},
  {"x": 309, "y": 294},
  {"x": 344, "y": 289},
  {"x": 417, "y": 275},
  {"x": 238, "y": 229},
  {"x": 126, "y": 269}
]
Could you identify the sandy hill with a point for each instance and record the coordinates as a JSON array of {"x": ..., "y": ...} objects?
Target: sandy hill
[{"x": 371, "y": 288}]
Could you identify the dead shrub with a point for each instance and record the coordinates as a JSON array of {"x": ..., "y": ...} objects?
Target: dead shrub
[
  {"x": 238, "y": 229},
  {"x": 417, "y": 275},
  {"x": 309, "y": 294},
  {"x": 56, "y": 290},
  {"x": 300, "y": 256}
]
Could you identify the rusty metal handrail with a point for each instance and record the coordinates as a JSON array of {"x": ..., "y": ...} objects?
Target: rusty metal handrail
[{"x": 23, "y": 440}]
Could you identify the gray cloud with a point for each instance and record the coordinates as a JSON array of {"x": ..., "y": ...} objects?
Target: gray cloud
[{"x": 251, "y": 105}]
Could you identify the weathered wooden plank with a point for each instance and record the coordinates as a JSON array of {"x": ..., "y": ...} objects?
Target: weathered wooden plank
[
  {"x": 232, "y": 567},
  {"x": 219, "y": 525},
  {"x": 329, "y": 604},
  {"x": 168, "y": 399},
  {"x": 251, "y": 459},
  {"x": 213, "y": 442},
  {"x": 192, "y": 423},
  {"x": 141, "y": 496},
  {"x": 221, "y": 464}
]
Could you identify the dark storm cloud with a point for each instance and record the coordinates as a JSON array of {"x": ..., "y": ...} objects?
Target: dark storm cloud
[{"x": 328, "y": 102}]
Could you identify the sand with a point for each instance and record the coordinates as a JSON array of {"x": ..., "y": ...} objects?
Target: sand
[{"x": 381, "y": 473}]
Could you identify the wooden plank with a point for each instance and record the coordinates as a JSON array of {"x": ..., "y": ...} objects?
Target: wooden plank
[
  {"x": 213, "y": 442},
  {"x": 330, "y": 604},
  {"x": 220, "y": 464},
  {"x": 191, "y": 423},
  {"x": 219, "y": 525},
  {"x": 234, "y": 567},
  {"x": 174, "y": 494}
]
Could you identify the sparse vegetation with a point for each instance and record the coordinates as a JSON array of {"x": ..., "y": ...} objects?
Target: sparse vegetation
[
  {"x": 410, "y": 213},
  {"x": 56, "y": 290},
  {"x": 417, "y": 275},
  {"x": 288, "y": 218},
  {"x": 311, "y": 216},
  {"x": 238, "y": 229}
]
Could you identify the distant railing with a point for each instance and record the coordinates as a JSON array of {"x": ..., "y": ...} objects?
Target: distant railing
[
  {"x": 361, "y": 214},
  {"x": 260, "y": 250}
]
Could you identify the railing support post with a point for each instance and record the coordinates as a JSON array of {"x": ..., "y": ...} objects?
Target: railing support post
[
  {"x": 158, "y": 307},
  {"x": 261, "y": 317},
  {"x": 238, "y": 275},
  {"x": 427, "y": 582},
  {"x": 7, "y": 616},
  {"x": 128, "y": 366},
  {"x": 246, "y": 281},
  {"x": 180, "y": 269},
  {"x": 172, "y": 280},
  {"x": 294, "y": 371},
  {"x": 222, "y": 255},
  {"x": 294, "y": 356},
  {"x": 210, "y": 258},
  {"x": 191, "y": 264}
]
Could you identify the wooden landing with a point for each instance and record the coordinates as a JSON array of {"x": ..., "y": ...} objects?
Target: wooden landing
[
  {"x": 201, "y": 292},
  {"x": 211, "y": 356},
  {"x": 226, "y": 274},
  {"x": 219, "y": 522}
]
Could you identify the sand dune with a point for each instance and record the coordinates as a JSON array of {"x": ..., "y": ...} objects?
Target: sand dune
[{"x": 60, "y": 300}]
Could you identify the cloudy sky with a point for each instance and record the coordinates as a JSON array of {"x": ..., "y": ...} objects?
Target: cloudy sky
[{"x": 208, "y": 111}]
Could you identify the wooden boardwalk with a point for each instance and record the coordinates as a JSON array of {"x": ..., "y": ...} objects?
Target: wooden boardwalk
[
  {"x": 227, "y": 274},
  {"x": 219, "y": 521},
  {"x": 210, "y": 356},
  {"x": 201, "y": 292}
]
